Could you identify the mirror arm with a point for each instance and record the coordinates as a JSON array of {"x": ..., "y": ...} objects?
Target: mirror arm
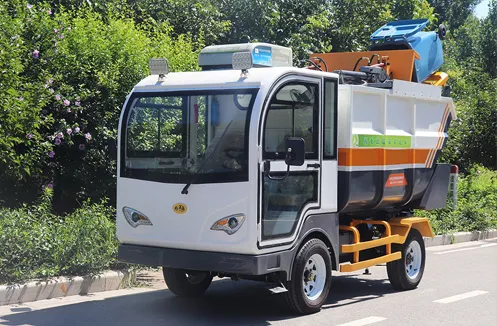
[{"x": 267, "y": 172}]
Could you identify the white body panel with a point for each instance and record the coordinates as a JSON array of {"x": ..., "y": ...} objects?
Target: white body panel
[
  {"x": 206, "y": 204},
  {"x": 407, "y": 111}
]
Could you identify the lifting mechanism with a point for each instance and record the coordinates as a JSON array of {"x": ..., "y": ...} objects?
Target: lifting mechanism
[{"x": 398, "y": 50}]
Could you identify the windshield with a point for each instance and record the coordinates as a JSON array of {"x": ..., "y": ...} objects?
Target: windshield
[{"x": 168, "y": 137}]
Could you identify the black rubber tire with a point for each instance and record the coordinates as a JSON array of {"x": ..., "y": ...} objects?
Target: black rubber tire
[
  {"x": 396, "y": 269},
  {"x": 295, "y": 297},
  {"x": 178, "y": 283},
  {"x": 442, "y": 31}
]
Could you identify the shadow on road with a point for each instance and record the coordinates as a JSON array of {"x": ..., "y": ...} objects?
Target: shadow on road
[{"x": 225, "y": 303}]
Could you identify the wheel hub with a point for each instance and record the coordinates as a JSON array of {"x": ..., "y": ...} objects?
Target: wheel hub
[
  {"x": 413, "y": 260},
  {"x": 314, "y": 277}
]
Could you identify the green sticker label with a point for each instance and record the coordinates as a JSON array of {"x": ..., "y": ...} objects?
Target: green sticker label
[{"x": 381, "y": 141}]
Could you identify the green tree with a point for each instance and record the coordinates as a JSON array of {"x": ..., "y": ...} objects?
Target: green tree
[
  {"x": 66, "y": 78},
  {"x": 488, "y": 41},
  {"x": 453, "y": 12}
]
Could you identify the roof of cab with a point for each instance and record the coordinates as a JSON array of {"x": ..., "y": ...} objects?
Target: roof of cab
[{"x": 221, "y": 79}]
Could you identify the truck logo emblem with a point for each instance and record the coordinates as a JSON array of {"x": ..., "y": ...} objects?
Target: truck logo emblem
[{"x": 179, "y": 208}]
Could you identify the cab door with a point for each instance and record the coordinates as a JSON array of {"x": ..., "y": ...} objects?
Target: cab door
[{"x": 293, "y": 109}]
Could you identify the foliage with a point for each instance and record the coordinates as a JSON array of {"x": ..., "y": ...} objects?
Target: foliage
[
  {"x": 453, "y": 12},
  {"x": 67, "y": 76},
  {"x": 36, "y": 243},
  {"x": 476, "y": 207},
  {"x": 67, "y": 66},
  {"x": 470, "y": 62}
]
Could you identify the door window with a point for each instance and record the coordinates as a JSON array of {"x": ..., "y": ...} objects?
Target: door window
[{"x": 293, "y": 112}]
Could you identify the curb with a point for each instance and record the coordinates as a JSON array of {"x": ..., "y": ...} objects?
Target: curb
[
  {"x": 459, "y": 237},
  {"x": 64, "y": 286}
]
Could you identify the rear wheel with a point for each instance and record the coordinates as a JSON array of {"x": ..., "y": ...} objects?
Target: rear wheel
[
  {"x": 406, "y": 273},
  {"x": 186, "y": 283},
  {"x": 311, "y": 278}
]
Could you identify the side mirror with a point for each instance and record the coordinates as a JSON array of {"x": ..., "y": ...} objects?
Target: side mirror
[
  {"x": 112, "y": 145},
  {"x": 295, "y": 151}
]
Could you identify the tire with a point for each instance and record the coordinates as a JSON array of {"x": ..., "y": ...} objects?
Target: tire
[
  {"x": 442, "y": 31},
  {"x": 404, "y": 276},
  {"x": 313, "y": 257},
  {"x": 186, "y": 283}
]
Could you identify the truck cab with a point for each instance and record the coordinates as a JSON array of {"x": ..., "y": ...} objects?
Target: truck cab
[{"x": 253, "y": 168}]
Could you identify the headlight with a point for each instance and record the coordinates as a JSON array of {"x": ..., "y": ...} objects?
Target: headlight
[
  {"x": 229, "y": 224},
  {"x": 135, "y": 218}
]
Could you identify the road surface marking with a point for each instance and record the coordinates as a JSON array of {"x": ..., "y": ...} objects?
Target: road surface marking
[
  {"x": 470, "y": 248},
  {"x": 461, "y": 296},
  {"x": 364, "y": 321},
  {"x": 456, "y": 246},
  {"x": 464, "y": 249}
]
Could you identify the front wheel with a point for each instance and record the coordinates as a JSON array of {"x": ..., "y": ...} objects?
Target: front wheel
[
  {"x": 406, "y": 273},
  {"x": 311, "y": 278},
  {"x": 186, "y": 283}
]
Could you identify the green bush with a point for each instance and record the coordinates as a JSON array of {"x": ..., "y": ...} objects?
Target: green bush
[
  {"x": 65, "y": 76},
  {"x": 37, "y": 244},
  {"x": 476, "y": 207}
]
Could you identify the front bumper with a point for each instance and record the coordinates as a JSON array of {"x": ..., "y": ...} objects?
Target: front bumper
[{"x": 207, "y": 261}]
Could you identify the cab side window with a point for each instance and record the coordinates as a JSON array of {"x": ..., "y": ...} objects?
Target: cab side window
[{"x": 293, "y": 112}]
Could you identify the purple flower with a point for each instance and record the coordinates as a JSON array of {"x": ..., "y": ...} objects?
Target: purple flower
[
  {"x": 30, "y": 135},
  {"x": 81, "y": 147},
  {"x": 21, "y": 98},
  {"x": 56, "y": 30},
  {"x": 60, "y": 135},
  {"x": 49, "y": 11},
  {"x": 69, "y": 28},
  {"x": 36, "y": 54},
  {"x": 51, "y": 154},
  {"x": 69, "y": 131},
  {"x": 76, "y": 130},
  {"x": 66, "y": 102},
  {"x": 88, "y": 136},
  {"x": 29, "y": 6},
  {"x": 68, "y": 110},
  {"x": 50, "y": 185},
  {"x": 58, "y": 141},
  {"x": 61, "y": 36},
  {"x": 51, "y": 90},
  {"x": 77, "y": 103},
  {"x": 57, "y": 97}
]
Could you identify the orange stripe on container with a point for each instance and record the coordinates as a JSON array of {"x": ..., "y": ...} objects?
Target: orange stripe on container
[
  {"x": 430, "y": 155},
  {"x": 442, "y": 127},
  {"x": 381, "y": 156}
]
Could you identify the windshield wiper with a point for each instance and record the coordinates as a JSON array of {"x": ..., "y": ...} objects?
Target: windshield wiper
[{"x": 194, "y": 175}]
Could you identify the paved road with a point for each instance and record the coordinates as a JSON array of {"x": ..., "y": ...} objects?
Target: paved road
[{"x": 459, "y": 288}]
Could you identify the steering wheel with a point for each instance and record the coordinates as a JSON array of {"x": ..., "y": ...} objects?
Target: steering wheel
[{"x": 234, "y": 153}]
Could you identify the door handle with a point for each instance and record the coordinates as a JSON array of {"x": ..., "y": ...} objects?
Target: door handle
[{"x": 314, "y": 165}]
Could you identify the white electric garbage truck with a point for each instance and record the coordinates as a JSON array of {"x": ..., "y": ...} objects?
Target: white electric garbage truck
[{"x": 252, "y": 168}]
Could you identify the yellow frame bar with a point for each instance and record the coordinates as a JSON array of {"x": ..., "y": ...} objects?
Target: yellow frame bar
[
  {"x": 396, "y": 231},
  {"x": 371, "y": 244},
  {"x": 370, "y": 262}
]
